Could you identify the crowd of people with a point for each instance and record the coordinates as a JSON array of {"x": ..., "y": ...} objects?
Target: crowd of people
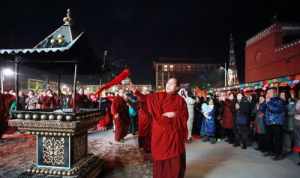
[
  {"x": 269, "y": 119},
  {"x": 165, "y": 121},
  {"x": 40, "y": 100},
  {"x": 48, "y": 99},
  {"x": 266, "y": 120}
]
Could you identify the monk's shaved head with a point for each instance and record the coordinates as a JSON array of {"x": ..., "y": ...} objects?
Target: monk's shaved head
[{"x": 172, "y": 85}]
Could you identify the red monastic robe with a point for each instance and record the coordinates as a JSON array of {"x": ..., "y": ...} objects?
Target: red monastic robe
[
  {"x": 144, "y": 123},
  {"x": 106, "y": 120},
  {"x": 82, "y": 101},
  {"x": 122, "y": 122},
  {"x": 168, "y": 134},
  {"x": 47, "y": 102},
  {"x": 5, "y": 102}
]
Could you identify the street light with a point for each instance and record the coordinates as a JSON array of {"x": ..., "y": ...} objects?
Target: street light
[{"x": 5, "y": 72}]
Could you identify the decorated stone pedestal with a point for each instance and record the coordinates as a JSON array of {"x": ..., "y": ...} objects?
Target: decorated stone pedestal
[{"x": 61, "y": 143}]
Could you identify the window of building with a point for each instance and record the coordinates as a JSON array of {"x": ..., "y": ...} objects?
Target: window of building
[
  {"x": 189, "y": 68},
  {"x": 171, "y": 67},
  {"x": 166, "y": 68},
  {"x": 34, "y": 84}
]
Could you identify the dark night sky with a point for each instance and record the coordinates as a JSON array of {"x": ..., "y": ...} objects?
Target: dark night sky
[{"x": 139, "y": 30}]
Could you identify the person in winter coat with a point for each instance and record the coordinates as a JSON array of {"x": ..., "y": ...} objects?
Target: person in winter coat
[
  {"x": 260, "y": 128},
  {"x": 208, "y": 127},
  {"x": 242, "y": 121},
  {"x": 296, "y": 148},
  {"x": 190, "y": 102},
  {"x": 31, "y": 101},
  {"x": 253, "y": 100},
  {"x": 132, "y": 112},
  {"x": 198, "y": 115},
  {"x": 228, "y": 118},
  {"x": 288, "y": 124},
  {"x": 275, "y": 116}
]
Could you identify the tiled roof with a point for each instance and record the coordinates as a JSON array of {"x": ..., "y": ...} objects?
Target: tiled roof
[
  {"x": 60, "y": 40},
  {"x": 40, "y": 50},
  {"x": 264, "y": 33}
]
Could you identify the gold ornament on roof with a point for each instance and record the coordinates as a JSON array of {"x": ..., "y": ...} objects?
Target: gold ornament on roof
[
  {"x": 59, "y": 36},
  {"x": 52, "y": 41},
  {"x": 67, "y": 20},
  {"x": 58, "y": 40}
]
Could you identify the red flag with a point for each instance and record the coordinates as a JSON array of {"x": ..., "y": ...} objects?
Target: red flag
[{"x": 117, "y": 80}]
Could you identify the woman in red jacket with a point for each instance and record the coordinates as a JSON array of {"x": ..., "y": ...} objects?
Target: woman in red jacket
[{"x": 228, "y": 118}]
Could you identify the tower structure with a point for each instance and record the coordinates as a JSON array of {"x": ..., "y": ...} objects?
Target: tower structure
[{"x": 232, "y": 77}]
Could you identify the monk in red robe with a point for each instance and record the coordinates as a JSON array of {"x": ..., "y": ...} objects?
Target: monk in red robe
[
  {"x": 169, "y": 131},
  {"x": 81, "y": 100},
  {"x": 47, "y": 100},
  {"x": 121, "y": 119},
  {"x": 144, "y": 125},
  {"x": 106, "y": 120},
  {"x": 5, "y": 102}
]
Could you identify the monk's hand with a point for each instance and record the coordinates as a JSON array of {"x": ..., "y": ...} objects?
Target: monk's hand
[
  {"x": 169, "y": 114},
  {"x": 116, "y": 115}
]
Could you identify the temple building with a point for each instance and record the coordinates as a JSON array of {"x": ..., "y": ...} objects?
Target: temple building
[
  {"x": 61, "y": 144},
  {"x": 273, "y": 53},
  {"x": 65, "y": 46}
]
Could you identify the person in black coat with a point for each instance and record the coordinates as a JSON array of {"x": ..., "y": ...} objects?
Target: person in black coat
[{"x": 242, "y": 120}]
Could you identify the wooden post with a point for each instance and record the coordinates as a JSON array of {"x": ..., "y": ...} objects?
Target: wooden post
[
  {"x": 156, "y": 76},
  {"x": 74, "y": 87},
  {"x": 162, "y": 75},
  {"x": 226, "y": 74},
  {"x": 2, "y": 80},
  {"x": 58, "y": 89},
  {"x": 17, "y": 60}
]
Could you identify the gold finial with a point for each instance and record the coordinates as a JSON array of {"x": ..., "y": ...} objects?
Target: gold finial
[{"x": 67, "y": 20}]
